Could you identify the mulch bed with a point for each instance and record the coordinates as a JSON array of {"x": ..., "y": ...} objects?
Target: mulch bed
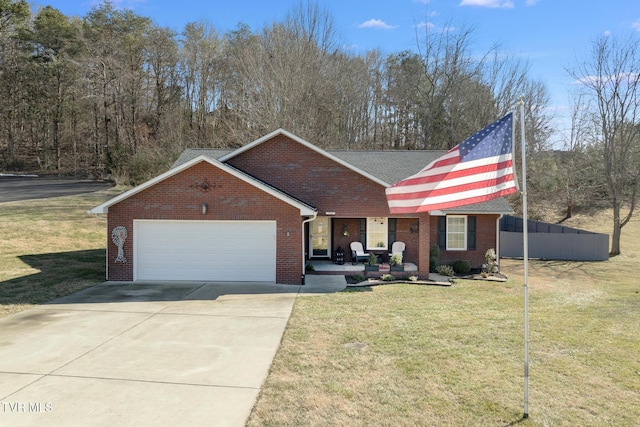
[{"x": 351, "y": 282}]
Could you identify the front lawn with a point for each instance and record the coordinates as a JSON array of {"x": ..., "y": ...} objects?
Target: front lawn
[
  {"x": 50, "y": 248},
  {"x": 415, "y": 355}
]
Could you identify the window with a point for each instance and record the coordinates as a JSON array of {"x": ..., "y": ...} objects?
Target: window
[
  {"x": 377, "y": 233},
  {"x": 457, "y": 232}
]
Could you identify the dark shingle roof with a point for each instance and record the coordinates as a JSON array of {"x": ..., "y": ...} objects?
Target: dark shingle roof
[
  {"x": 499, "y": 205},
  {"x": 192, "y": 153},
  {"x": 389, "y": 166}
]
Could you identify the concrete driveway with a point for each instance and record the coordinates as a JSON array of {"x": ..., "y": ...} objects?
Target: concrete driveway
[{"x": 144, "y": 354}]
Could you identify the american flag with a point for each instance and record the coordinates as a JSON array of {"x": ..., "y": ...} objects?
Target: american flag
[{"x": 477, "y": 170}]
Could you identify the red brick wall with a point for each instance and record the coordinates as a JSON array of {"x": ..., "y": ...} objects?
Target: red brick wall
[
  {"x": 411, "y": 239},
  {"x": 229, "y": 198},
  {"x": 339, "y": 240},
  {"x": 313, "y": 178},
  {"x": 403, "y": 234},
  {"x": 330, "y": 187},
  {"x": 485, "y": 239}
]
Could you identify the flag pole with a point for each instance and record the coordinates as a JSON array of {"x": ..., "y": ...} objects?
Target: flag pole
[{"x": 525, "y": 241}]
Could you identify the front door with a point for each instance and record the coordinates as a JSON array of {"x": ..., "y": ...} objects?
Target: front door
[{"x": 320, "y": 237}]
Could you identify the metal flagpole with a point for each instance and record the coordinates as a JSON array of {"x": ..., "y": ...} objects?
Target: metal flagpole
[{"x": 525, "y": 241}]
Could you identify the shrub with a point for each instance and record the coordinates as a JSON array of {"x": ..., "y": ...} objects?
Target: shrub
[
  {"x": 309, "y": 267},
  {"x": 434, "y": 254},
  {"x": 373, "y": 259},
  {"x": 461, "y": 267},
  {"x": 445, "y": 270},
  {"x": 492, "y": 261},
  {"x": 388, "y": 277},
  {"x": 358, "y": 278},
  {"x": 396, "y": 259}
]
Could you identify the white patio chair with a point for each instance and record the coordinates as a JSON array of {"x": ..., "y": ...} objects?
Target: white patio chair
[
  {"x": 358, "y": 253},
  {"x": 397, "y": 248}
]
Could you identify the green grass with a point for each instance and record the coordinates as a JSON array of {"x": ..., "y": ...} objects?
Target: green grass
[
  {"x": 402, "y": 354},
  {"x": 409, "y": 355},
  {"x": 50, "y": 248}
]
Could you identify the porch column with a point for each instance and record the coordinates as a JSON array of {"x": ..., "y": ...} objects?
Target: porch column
[{"x": 425, "y": 243}]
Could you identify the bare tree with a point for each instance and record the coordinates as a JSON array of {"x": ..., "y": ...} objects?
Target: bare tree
[
  {"x": 13, "y": 18},
  {"x": 286, "y": 75},
  {"x": 201, "y": 68},
  {"x": 610, "y": 78},
  {"x": 576, "y": 175}
]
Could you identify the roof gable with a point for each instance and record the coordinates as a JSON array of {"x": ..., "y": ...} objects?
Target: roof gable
[
  {"x": 308, "y": 145},
  {"x": 305, "y": 210}
]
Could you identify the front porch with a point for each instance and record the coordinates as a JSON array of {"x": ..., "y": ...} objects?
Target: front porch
[{"x": 330, "y": 267}]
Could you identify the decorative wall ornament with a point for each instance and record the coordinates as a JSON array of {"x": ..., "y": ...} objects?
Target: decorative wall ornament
[
  {"x": 118, "y": 236},
  {"x": 203, "y": 185}
]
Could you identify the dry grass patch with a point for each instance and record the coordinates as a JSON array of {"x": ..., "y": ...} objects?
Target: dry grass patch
[
  {"x": 420, "y": 355},
  {"x": 50, "y": 248}
]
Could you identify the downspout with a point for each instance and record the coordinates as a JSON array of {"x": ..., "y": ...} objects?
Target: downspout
[{"x": 304, "y": 263}]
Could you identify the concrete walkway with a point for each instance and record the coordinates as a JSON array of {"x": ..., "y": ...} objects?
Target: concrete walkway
[{"x": 145, "y": 354}]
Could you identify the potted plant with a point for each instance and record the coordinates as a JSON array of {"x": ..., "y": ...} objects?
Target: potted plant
[
  {"x": 373, "y": 263},
  {"x": 396, "y": 262}
]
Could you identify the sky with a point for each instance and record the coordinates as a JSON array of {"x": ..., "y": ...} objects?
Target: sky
[{"x": 551, "y": 35}]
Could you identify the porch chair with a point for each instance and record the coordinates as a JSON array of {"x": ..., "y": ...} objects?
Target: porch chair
[
  {"x": 397, "y": 248},
  {"x": 358, "y": 253}
]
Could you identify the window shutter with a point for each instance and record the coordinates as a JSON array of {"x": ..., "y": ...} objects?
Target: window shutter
[
  {"x": 362, "y": 232},
  {"x": 392, "y": 231},
  {"x": 442, "y": 232},
  {"x": 471, "y": 232}
]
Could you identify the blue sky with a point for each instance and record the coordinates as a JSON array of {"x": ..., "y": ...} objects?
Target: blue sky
[{"x": 552, "y": 35}]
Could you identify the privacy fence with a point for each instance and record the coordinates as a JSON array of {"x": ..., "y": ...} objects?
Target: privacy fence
[{"x": 551, "y": 241}]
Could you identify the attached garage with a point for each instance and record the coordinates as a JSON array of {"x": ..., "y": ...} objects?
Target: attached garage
[
  {"x": 204, "y": 250},
  {"x": 205, "y": 221}
]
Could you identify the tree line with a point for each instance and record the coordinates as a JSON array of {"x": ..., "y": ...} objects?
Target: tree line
[{"x": 112, "y": 95}]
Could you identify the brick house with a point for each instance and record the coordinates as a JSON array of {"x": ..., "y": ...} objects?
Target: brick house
[{"x": 260, "y": 212}]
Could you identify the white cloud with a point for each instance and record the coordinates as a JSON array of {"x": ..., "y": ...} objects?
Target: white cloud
[
  {"x": 531, "y": 2},
  {"x": 636, "y": 25},
  {"x": 610, "y": 80},
  {"x": 423, "y": 24},
  {"x": 607, "y": 33},
  {"x": 377, "y": 24},
  {"x": 431, "y": 27},
  {"x": 506, "y": 4}
]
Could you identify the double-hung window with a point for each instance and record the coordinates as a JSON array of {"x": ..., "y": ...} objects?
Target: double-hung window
[
  {"x": 377, "y": 233},
  {"x": 457, "y": 232}
]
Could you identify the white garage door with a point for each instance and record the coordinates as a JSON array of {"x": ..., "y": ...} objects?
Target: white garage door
[{"x": 205, "y": 250}]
